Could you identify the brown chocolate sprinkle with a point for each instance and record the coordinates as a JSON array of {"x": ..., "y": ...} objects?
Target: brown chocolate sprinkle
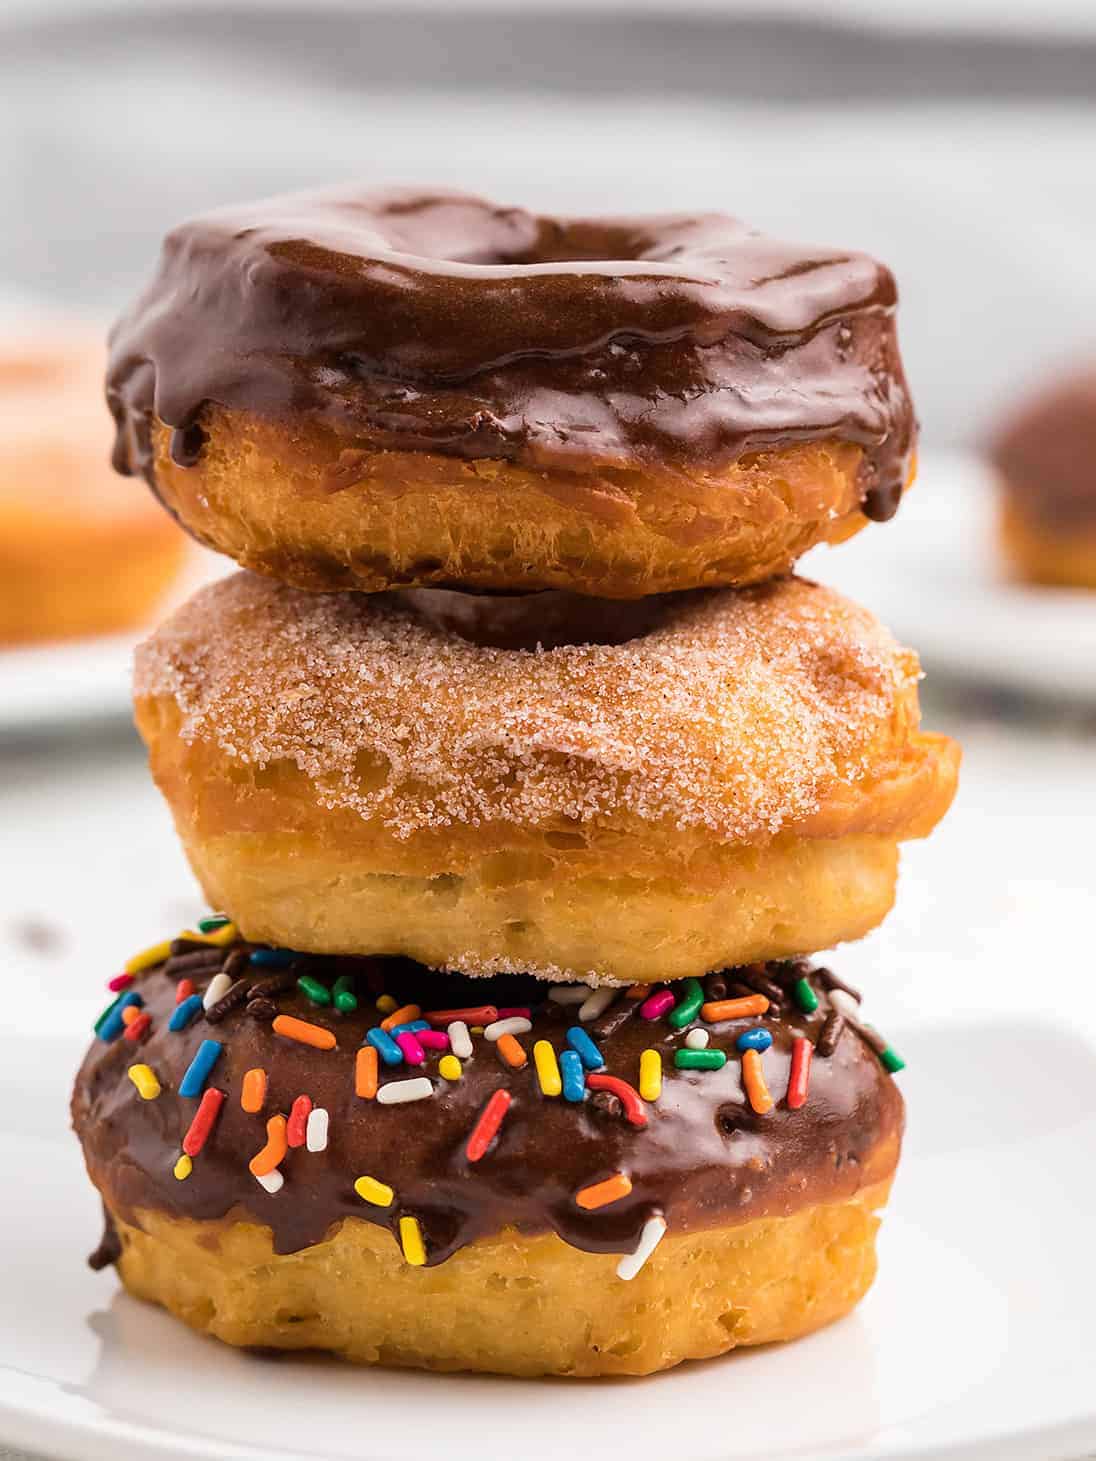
[{"x": 831, "y": 1033}]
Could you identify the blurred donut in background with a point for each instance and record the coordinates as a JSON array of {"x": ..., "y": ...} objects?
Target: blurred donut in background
[
  {"x": 81, "y": 552},
  {"x": 1045, "y": 458}
]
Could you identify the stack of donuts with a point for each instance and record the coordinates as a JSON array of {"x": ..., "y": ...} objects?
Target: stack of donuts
[{"x": 526, "y": 780}]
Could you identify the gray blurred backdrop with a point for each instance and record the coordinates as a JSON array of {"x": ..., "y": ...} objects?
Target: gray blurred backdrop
[{"x": 966, "y": 159}]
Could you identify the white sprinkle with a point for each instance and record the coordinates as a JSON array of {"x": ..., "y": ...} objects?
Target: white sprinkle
[
  {"x": 697, "y": 1039},
  {"x": 515, "y": 1025},
  {"x": 315, "y": 1133},
  {"x": 272, "y": 1181},
  {"x": 597, "y": 1003},
  {"x": 654, "y": 1230},
  {"x": 460, "y": 1041},
  {"x": 219, "y": 985},
  {"x": 844, "y": 1004},
  {"x": 395, "y": 1093},
  {"x": 569, "y": 994}
]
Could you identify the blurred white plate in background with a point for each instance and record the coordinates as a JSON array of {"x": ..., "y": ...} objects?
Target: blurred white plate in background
[
  {"x": 934, "y": 576},
  {"x": 975, "y": 1344}
]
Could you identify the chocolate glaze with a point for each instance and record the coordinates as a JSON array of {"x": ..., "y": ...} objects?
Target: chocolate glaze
[
  {"x": 1046, "y": 452},
  {"x": 440, "y": 322},
  {"x": 705, "y": 1159},
  {"x": 546, "y": 620}
]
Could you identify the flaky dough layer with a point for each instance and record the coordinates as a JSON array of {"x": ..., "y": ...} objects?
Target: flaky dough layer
[{"x": 321, "y": 511}]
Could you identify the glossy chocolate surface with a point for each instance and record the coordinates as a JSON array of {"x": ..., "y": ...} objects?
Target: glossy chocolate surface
[
  {"x": 440, "y": 322},
  {"x": 1046, "y": 452},
  {"x": 704, "y": 1159}
]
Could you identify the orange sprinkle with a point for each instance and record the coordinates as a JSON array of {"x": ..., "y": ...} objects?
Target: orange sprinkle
[
  {"x": 733, "y": 1009},
  {"x": 365, "y": 1073},
  {"x": 253, "y": 1090},
  {"x": 753, "y": 1078},
  {"x": 637, "y": 991},
  {"x": 130, "y": 1013},
  {"x": 301, "y": 1030},
  {"x": 403, "y": 1016},
  {"x": 600, "y": 1194},
  {"x": 512, "y": 1051},
  {"x": 277, "y": 1144}
]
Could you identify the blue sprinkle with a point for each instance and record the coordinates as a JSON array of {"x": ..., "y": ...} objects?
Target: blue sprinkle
[
  {"x": 272, "y": 958},
  {"x": 112, "y": 1024},
  {"x": 198, "y": 1071},
  {"x": 384, "y": 1045},
  {"x": 182, "y": 1014},
  {"x": 758, "y": 1039},
  {"x": 412, "y": 1028},
  {"x": 574, "y": 1077},
  {"x": 587, "y": 1051}
]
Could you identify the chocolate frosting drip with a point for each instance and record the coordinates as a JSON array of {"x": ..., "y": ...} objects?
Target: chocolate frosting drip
[
  {"x": 1046, "y": 452},
  {"x": 704, "y": 1160},
  {"x": 440, "y": 322}
]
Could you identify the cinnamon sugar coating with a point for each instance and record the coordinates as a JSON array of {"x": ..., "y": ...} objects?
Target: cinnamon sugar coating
[{"x": 734, "y": 716}]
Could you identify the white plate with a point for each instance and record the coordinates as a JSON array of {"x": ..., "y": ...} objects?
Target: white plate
[
  {"x": 976, "y": 1342},
  {"x": 79, "y": 680},
  {"x": 934, "y": 576}
]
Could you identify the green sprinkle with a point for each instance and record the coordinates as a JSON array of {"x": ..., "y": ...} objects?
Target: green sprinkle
[
  {"x": 805, "y": 996},
  {"x": 346, "y": 1001},
  {"x": 890, "y": 1061},
  {"x": 700, "y": 1059},
  {"x": 213, "y": 922},
  {"x": 108, "y": 1011},
  {"x": 688, "y": 1006},
  {"x": 313, "y": 990}
]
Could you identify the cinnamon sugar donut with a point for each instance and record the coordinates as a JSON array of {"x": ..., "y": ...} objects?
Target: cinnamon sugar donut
[
  {"x": 78, "y": 556},
  {"x": 350, "y": 774},
  {"x": 639, "y": 1205},
  {"x": 1045, "y": 456},
  {"x": 359, "y": 390}
]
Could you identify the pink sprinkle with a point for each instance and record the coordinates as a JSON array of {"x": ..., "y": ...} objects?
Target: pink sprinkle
[
  {"x": 656, "y": 1005},
  {"x": 432, "y": 1039},
  {"x": 412, "y": 1049},
  {"x": 520, "y": 1012},
  {"x": 120, "y": 981}
]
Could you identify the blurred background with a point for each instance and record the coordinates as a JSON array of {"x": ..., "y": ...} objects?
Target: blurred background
[{"x": 955, "y": 139}]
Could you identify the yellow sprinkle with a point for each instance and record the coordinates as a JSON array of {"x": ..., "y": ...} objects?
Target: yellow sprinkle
[
  {"x": 476, "y": 1030},
  {"x": 372, "y": 1191},
  {"x": 147, "y": 957},
  {"x": 183, "y": 1168},
  {"x": 411, "y": 1241},
  {"x": 144, "y": 1078},
  {"x": 544, "y": 1057},
  {"x": 217, "y": 939},
  {"x": 650, "y": 1075},
  {"x": 386, "y": 1004},
  {"x": 449, "y": 1068}
]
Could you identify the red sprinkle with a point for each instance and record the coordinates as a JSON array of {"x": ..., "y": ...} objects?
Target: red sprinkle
[
  {"x": 483, "y": 1133},
  {"x": 480, "y": 1014},
  {"x": 198, "y": 1131},
  {"x": 138, "y": 1028},
  {"x": 120, "y": 981},
  {"x": 413, "y": 1052},
  {"x": 657, "y": 1005},
  {"x": 183, "y": 990},
  {"x": 634, "y": 1109},
  {"x": 297, "y": 1126},
  {"x": 517, "y": 1011},
  {"x": 799, "y": 1077},
  {"x": 432, "y": 1039}
]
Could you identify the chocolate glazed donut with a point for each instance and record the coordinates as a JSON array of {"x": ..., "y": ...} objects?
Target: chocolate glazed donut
[{"x": 289, "y": 345}]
